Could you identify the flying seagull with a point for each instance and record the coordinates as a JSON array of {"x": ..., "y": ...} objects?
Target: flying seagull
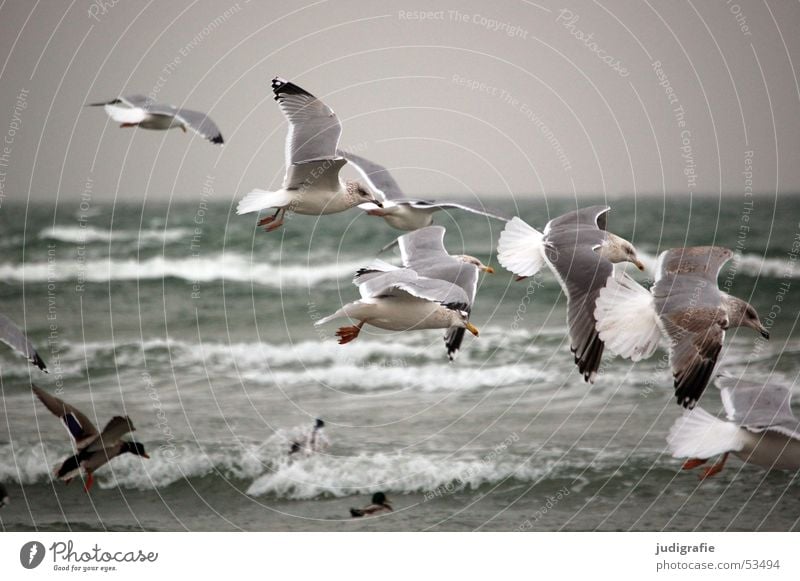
[
  {"x": 95, "y": 449},
  {"x": 686, "y": 305},
  {"x": 398, "y": 211},
  {"x": 140, "y": 111},
  {"x": 761, "y": 429},
  {"x": 311, "y": 185},
  {"x": 434, "y": 291},
  {"x": 12, "y": 336},
  {"x": 581, "y": 253}
]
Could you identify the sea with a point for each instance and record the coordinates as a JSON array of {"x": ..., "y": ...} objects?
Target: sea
[{"x": 200, "y": 327}]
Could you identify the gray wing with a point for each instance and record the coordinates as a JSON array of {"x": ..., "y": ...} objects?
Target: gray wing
[
  {"x": 129, "y": 101},
  {"x": 12, "y": 336},
  {"x": 379, "y": 178},
  {"x": 201, "y": 124},
  {"x": 582, "y": 274},
  {"x": 135, "y": 101},
  {"x": 697, "y": 261},
  {"x": 115, "y": 429},
  {"x": 409, "y": 282},
  {"x": 759, "y": 407},
  {"x": 423, "y": 251},
  {"x": 78, "y": 425},
  {"x": 321, "y": 174},
  {"x": 696, "y": 335},
  {"x": 593, "y": 217},
  {"x": 433, "y": 206},
  {"x": 314, "y": 128},
  {"x": 688, "y": 303}
]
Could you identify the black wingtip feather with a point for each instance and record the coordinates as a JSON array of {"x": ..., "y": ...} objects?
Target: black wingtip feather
[
  {"x": 283, "y": 87},
  {"x": 38, "y": 362},
  {"x": 690, "y": 386},
  {"x": 217, "y": 139}
]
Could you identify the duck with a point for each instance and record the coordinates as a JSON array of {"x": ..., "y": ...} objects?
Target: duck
[
  {"x": 94, "y": 448},
  {"x": 378, "y": 505}
]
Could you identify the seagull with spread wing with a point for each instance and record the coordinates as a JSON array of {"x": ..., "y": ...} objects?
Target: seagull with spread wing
[
  {"x": 581, "y": 253},
  {"x": 12, "y": 336},
  {"x": 433, "y": 290},
  {"x": 140, "y": 111},
  {"x": 312, "y": 185},
  {"x": 95, "y": 449},
  {"x": 686, "y": 305},
  {"x": 397, "y": 210},
  {"x": 761, "y": 429}
]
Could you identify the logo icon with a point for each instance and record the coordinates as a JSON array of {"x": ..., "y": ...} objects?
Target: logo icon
[{"x": 31, "y": 554}]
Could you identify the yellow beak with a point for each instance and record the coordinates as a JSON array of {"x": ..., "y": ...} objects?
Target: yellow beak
[
  {"x": 488, "y": 270},
  {"x": 639, "y": 264},
  {"x": 472, "y": 328}
]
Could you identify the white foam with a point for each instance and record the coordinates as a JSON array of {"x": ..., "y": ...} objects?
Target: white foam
[
  {"x": 89, "y": 234},
  {"x": 229, "y": 266}
]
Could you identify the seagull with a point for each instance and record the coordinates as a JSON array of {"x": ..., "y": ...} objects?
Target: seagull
[
  {"x": 761, "y": 429},
  {"x": 311, "y": 185},
  {"x": 434, "y": 290},
  {"x": 581, "y": 254},
  {"x": 398, "y": 211},
  {"x": 12, "y": 336},
  {"x": 140, "y": 111},
  {"x": 95, "y": 449},
  {"x": 378, "y": 505},
  {"x": 686, "y": 305}
]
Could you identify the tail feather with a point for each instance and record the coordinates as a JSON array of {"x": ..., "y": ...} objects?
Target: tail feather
[
  {"x": 520, "y": 248},
  {"x": 338, "y": 314},
  {"x": 258, "y": 200},
  {"x": 698, "y": 434},
  {"x": 626, "y": 318}
]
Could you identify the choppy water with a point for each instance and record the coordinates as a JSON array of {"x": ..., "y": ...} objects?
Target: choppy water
[{"x": 201, "y": 329}]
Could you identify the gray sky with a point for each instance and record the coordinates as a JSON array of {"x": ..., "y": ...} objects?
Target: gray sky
[{"x": 517, "y": 97}]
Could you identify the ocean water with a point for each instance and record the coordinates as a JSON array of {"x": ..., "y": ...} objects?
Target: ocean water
[{"x": 200, "y": 327}]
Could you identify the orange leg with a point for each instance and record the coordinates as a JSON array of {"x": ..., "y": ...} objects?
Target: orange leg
[
  {"x": 519, "y": 278},
  {"x": 693, "y": 463},
  {"x": 128, "y": 125},
  {"x": 347, "y": 334},
  {"x": 716, "y": 468},
  {"x": 87, "y": 486},
  {"x": 269, "y": 219},
  {"x": 271, "y": 223}
]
